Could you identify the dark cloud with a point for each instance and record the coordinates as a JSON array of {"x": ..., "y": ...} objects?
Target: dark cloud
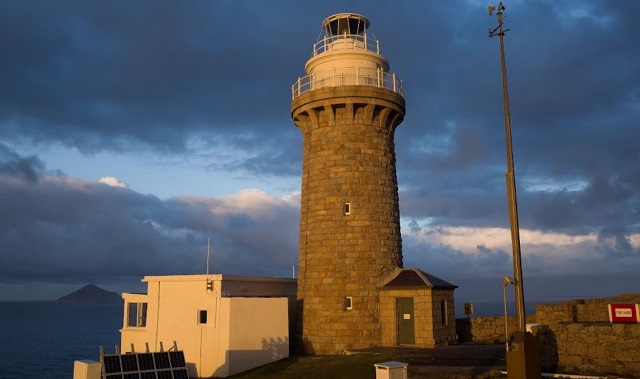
[
  {"x": 103, "y": 76},
  {"x": 29, "y": 169},
  {"x": 212, "y": 80},
  {"x": 60, "y": 229}
]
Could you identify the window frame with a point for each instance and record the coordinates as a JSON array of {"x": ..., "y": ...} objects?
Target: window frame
[{"x": 137, "y": 314}]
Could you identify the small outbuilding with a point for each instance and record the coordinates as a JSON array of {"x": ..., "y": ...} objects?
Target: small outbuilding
[
  {"x": 417, "y": 309},
  {"x": 225, "y": 324}
]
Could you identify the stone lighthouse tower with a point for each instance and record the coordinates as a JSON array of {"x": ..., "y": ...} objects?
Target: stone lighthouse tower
[{"x": 347, "y": 107}]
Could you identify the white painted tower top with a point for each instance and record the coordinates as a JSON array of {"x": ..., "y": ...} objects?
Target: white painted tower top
[{"x": 346, "y": 54}]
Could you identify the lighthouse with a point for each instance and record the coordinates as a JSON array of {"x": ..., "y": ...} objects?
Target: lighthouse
[{"x": 347, "y": 108}]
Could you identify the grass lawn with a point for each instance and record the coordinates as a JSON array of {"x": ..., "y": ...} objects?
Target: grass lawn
[{"x": 359, "y": 366}]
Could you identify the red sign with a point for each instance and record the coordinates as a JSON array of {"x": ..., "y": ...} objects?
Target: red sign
[{"x": 624, "y": 313}]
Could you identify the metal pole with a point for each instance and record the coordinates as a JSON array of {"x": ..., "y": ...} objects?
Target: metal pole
[{"x": 511, "y": 184}]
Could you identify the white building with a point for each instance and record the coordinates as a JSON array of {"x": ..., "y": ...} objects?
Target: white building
[{"x": 224, "y": 324}]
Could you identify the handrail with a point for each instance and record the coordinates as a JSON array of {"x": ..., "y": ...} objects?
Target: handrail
[
  {"x": 346, "y": 42},
  {"x": 347, "y": 76}
]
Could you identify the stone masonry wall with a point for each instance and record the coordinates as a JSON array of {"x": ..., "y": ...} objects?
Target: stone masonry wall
[
  {"x": 590, "y": 349},
  {"x": 444, "y": 333},
  {"x": 589, "y": 310},
  {"x": 348, "y": 158},
  {"x": 429, "y": 330},
  {"x": 487, "y": 329},
  {"x": 575, "y": 336},
  {"x": 421, "y": 313}
]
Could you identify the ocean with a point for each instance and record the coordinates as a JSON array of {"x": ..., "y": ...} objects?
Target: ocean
[{"x": 42, "y": 339}]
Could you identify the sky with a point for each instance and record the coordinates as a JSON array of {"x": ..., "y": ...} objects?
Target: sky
[{"x": 133, "y": 132}]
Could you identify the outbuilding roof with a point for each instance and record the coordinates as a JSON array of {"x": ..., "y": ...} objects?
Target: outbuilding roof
[{"x": 414, "y": 277}]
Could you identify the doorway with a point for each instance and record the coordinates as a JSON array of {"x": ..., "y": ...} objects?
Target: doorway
[{"x": 404, "y": 317}]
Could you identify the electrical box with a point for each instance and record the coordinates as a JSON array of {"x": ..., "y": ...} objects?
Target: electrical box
[
  {"x": 523, "y": 356},
  {"x": 391, "y": 370}
]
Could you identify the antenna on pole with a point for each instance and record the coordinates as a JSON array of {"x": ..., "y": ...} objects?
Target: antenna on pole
[
  {"x": 523, "y": 351},
  {"x": 208, "y": 253}
]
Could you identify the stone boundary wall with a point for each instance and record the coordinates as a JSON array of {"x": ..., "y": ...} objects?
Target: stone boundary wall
[
  {"x": 590, "y": 310},
  {"x": 488, "y": 329},
  {"x": 575, "y": 336},
  {"x": 581, "y": 311},
  {"x": 590, "y": 349}
]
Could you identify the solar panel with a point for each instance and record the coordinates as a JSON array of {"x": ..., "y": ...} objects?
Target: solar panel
[
  {"x": 159, "y": 365},
  {"x": 161, "y": 360},
  {"x": 177, "y": 358},
  {"x": 180, "y": 374},
  {"x": 112, "y": 364},
  {"x": 145, "y": 361},
  {"x": 129, "y": 363}
]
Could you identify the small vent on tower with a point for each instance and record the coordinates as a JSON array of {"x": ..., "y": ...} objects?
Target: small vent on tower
[{"x": 346, "y": 209}]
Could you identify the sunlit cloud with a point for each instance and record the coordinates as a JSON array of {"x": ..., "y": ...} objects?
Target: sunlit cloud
[
  {"x": 113, "y": 182},
  {"x": 553, "y": 184}
]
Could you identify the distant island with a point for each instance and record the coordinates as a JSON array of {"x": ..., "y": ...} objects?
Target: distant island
[{"x": 91, "y": 294}]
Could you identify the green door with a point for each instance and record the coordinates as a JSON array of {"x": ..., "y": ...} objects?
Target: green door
[{"x": 404, "y": 315}]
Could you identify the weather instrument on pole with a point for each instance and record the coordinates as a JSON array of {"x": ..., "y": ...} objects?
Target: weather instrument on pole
[{"x": 523, "y": 351}]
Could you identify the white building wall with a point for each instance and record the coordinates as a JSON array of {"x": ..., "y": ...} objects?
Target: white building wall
[
  {"x": 258, "y": 332},
  {"x": 240, "y": 332}
]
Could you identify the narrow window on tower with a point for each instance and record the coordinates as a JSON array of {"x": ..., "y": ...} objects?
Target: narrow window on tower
[
  {"x": 346, "y": 209},
  {"x": 348, "y": 303}
]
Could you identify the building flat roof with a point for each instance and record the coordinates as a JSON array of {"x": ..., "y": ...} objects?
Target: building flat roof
[{"x": 216, "y": 277}]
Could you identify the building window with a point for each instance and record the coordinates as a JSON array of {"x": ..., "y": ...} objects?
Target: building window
[
  {"x": 348, "y": 303},
  {"x": 202, "y": 316},
  {"x": 346, "y": 209},
  {"x": 443, "y": 312},
  {"x": 137, "y": 315}
]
